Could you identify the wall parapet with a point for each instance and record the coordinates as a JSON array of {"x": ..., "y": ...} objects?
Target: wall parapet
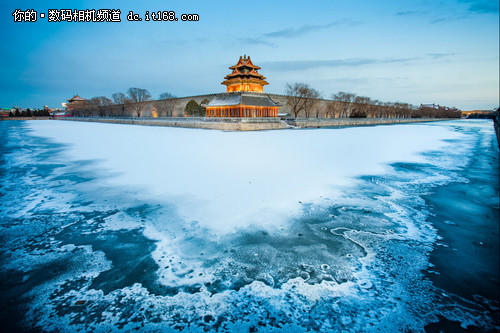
[{"x": 252, "y": 124}]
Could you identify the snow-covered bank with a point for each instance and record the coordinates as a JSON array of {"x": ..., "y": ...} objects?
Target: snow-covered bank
[{"x": 227, "y": 180}]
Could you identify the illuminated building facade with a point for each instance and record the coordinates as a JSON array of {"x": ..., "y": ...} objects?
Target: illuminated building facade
[
  {"x": 245, "y": 77},
  {"x": 244, "y": 97}
]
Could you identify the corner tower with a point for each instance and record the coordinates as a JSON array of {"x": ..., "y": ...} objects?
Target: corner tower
[
  {"x": 244, "y": 97},
  {"x": 245, "y": 77},
  {"x": 75, "y": 102}
]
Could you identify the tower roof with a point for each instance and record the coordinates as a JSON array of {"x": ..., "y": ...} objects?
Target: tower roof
[
  {"x": 244, "y": 76},
  {"x": 244, "y": 62},
  {"x": 76, "y": 98}
]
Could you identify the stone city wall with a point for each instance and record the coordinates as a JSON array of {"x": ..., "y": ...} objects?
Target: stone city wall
[
  {"x": 336, "y": 122},
  {"x": 180, "y": 106}
]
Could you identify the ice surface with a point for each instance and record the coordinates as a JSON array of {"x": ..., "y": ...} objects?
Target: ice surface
[
  {"x": 165, "y": 229},
  {"x": 228, "y": 180}
]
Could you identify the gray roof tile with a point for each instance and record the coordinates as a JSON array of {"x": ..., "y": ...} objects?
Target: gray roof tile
[{"x": 242, "y": 98}]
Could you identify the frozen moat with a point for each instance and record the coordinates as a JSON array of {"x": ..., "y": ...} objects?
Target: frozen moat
[{"x": 117, "y": 227}]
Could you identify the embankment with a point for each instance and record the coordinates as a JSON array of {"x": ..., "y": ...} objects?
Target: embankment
[
  {"x": 224, "y": 124},
  {"x": 341, "y": 122},
  {"x": 251, "y": 124}
]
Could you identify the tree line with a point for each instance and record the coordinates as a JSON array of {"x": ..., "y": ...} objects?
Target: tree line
[
  {"x": 301, "y": 98},
  {"x": 133, "y": 102},
  {"x": 29, "y": 113},
  {"x": 304, "y": 101}
]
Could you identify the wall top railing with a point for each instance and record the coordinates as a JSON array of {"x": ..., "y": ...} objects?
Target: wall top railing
[{"x": 192, "y": 119}]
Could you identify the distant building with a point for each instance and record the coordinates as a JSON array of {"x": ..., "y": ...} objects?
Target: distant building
[
  {"x": 477, "y": 112},
  {"x": 483, "y": 111},
  {"x": 75, "y": 101},
  {"x": 244, "y": 97},
  {"x": 60, "y": 114},
  {"x": 432, "y": 106}
]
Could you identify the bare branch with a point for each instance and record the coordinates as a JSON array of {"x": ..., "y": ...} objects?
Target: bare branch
[{"x": 137, "y": 98}]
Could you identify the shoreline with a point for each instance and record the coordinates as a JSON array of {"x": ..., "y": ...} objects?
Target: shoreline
[{"x": 254, "y": 124}]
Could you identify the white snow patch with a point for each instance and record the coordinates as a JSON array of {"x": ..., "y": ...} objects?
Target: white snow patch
[{"x": 227, "y": 180}]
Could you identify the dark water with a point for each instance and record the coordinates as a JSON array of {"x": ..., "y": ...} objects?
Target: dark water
[
  {"x": 466, "y": 215},
  {"x": 460, "y": 214},
  {"x": 413, "y": 250}
]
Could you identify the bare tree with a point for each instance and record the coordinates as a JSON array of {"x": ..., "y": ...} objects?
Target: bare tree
[
  {"x": 78, "y": 109},
  {"x": 120, "y": 100},
  {"x": 361, "y": 106},
  {"x": 137, "y": 98},
  {"x": 166, "y": 104},
  {"x": 334, "y": 109},
  {"x": 329, "y": 109},
  {"x": 100, "y": 105},
  {"x": 389, "y": 109},
  {"x": 346, "y": 101},
  {"x": 375, "y": 109},
  {"x": 81, "y": 109},
  {"x": 402, "y": 110},
  {"x": 311, "y": 96},
  {"x": 351, "y": 106},
  {"x": 301, "y": 97},
  {"x": 294, "y": 98}
]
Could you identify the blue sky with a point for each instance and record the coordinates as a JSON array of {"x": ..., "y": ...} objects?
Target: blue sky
[{"x": 444, "y": 52}]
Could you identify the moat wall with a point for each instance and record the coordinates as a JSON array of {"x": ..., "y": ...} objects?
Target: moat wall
[
  {"x": 224, "y": 124},
  {"x": 250, "y": 124},
  {"x": 340, "y": 122}
]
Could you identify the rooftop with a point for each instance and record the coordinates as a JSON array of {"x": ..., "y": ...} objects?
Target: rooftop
[
  {"x": 76, "y": 98},
  {"x": 245, "y": 98}
]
